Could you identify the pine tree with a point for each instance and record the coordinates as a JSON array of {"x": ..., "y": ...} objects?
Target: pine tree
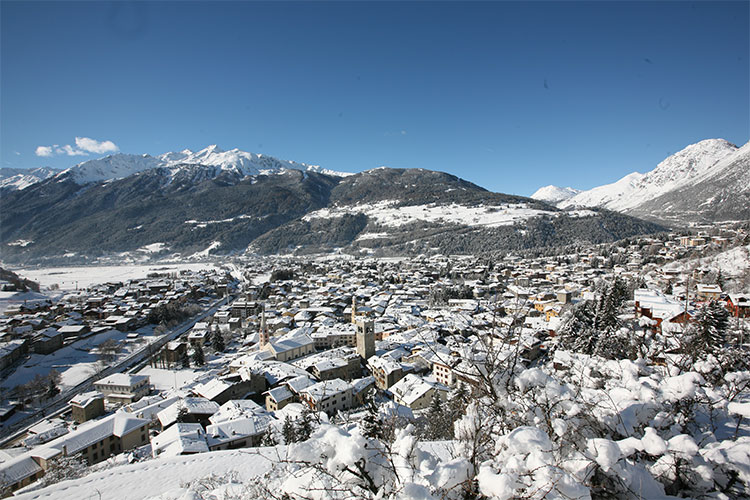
[
  {"x": 711, "y": 322},
  {"x": 304, "y": 427},
  {"x": 218, "y": 342},
  {"x": 372, "y": 424},
  {"x": 198, "y": 357},
  {"x": 268, "y": 438},
  {"x": 185, "y": 360},
  {"x": 287, "y": 431},
  {"x": 438, "y": 426},
  {"x": 458, "y": 402}
]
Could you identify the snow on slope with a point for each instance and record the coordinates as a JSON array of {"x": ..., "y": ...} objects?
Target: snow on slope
[
  {"x": 110, "y": 167},
  {"x": 679, "y": 170},
  {"x": 554, "y": 194},
  {"x": 157, "y": 477},
  {"x": 239, "y": 162},
  {"x": 22, "y": 178},
  {"x": 388, "y": 213}
]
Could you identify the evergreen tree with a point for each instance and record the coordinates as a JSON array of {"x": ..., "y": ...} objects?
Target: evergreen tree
[
  {"x": 304, "y": 428},
  {"x": 268, "y": 438},
  {"x": 458, "y": 402},
  {"x": 198, "y": 357},
  {"x": 185, "y": 360},
  {"x": 577, "y": 332},
  {"x": 287, "y": 431},
  {"x": 218, "y": 342},
  {"x": 439, "y": 426},
  {"x": 372, "y": 424},
  {"x": 711, "y": 322}
]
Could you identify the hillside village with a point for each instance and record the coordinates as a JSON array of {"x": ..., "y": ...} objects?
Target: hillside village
[{"x": 297, "y": 343}]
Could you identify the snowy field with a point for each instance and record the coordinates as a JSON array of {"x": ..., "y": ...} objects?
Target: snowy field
[
  {"x": 75, "y": 362},
  {"x": 68, "y": 278},
  {"x": 387, "y": 214}
]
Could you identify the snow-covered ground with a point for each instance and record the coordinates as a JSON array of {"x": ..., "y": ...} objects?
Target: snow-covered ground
[
  {"x": 70, "y": 278},
  {"x": 732, "y": 262},
  {"x": 163, "y": 478},
  {"x": 388, "y": 214},
  {"x": 75, "y": 362}
]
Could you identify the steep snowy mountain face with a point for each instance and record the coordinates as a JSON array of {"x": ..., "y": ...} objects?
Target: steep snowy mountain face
[
  {"x": 678, "y": 171},
  {"x": 722, "y": 192},
  {"x": 554, "y": 194},
  {"x": 21, "y": 178},
  {"x": 234, "y": 163}
]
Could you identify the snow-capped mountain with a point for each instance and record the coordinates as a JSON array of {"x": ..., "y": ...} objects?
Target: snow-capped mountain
[
  {"x": 236, "y": 163},
  {"x": 196, "y": 209},
  {"x": 680, "y": 170},
  {"x": 719, "y": 193},
  {"x": 21, "y": 178},
  {"x": 554, "y": 194},
  {"x": 110, "y": 167}
]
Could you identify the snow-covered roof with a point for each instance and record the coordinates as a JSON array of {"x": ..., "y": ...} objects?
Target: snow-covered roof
[
  {"x": 118, "y": 424},
  {"x": 326, "y": 389},
  {"x": 234, "y": 429},
  {"x": 180, "y": 439},
  {"x": 122, "y": 379},
  {"x": 17, "y": 469},
  {"x": 86, "y": 398},
  {"x": 194, "y": 406},
  {"x": 411, "y": 388},
  {"x": 211, "y": 388},
  {"x": 236, "y": 408}
]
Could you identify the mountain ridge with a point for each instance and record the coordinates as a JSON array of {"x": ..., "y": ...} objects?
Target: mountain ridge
[
  {"x": 655, "y": 194},
  {"x": 238, "y": 163},
  {"x": 191, "y": 210}
]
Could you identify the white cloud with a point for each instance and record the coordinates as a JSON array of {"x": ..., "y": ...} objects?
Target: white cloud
[
  {"x": 84, "y": 146},
  {"x": 44, "y": 151},
  {"x": 94, "y": 146},
  {"x": 68, "y": 150}
]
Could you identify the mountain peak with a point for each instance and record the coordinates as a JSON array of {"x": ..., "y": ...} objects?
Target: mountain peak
[
  {"x": 554, "y": 194},
  {"x": 678, "y": 171},
  {"x": 213, "y": 148}
]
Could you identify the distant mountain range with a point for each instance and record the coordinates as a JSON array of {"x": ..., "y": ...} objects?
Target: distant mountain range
[
  {"x": 187, "y": 204},
  {"x": 12, "y": 179},
  {"x": 705, "y": 182}
]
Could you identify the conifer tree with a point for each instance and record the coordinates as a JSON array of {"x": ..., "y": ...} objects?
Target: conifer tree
[
  {"x": 304, "y": 428},
  {"x": 199, "y": 358},
  {"x": 372, "y": 424},
  {"x": 288, "y": 432},
  {"x": 217, "y": 342},
  {"x": 711, "y": 323},
  {"x": 268, "y": 438}
]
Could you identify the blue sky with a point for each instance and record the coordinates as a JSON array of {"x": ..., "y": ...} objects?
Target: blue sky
[{"x": 511, "y": 96}]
